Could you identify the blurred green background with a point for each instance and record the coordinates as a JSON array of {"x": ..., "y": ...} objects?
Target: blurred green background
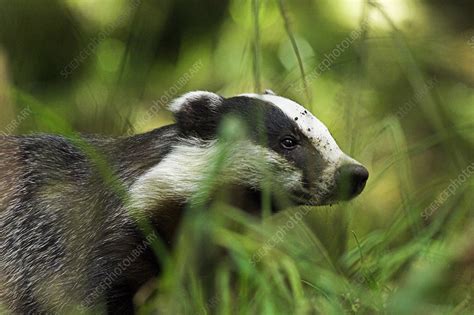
[{"x": 399, "y": 98}]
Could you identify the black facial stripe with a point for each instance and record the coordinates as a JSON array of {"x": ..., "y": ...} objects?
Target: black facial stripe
[
  {"x": 277, "y": 125},
  {"x": 262, "y": 119}
]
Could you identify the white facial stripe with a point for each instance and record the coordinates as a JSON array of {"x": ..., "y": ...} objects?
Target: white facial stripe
[
  {"x": 181, "y": 173},
  {"x": 309, "y": 125}
]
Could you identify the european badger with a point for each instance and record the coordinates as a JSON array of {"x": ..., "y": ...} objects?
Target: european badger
[{"x": 63, "y": 227}]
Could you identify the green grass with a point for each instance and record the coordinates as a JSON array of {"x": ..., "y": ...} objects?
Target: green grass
[
  {"x": 376, "y": 254},
  {"x": 408, "y": 266}
]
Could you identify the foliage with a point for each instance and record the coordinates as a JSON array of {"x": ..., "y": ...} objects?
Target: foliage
[{"x": 392, "y": 80}]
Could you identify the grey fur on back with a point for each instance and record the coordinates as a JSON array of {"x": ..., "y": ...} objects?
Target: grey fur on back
[{"x": 62, "y": 226}]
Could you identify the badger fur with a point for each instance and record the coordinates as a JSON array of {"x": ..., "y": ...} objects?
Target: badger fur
[{"x": 64, "y": 227}]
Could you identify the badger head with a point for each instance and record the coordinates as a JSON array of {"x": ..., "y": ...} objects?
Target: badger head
[{"x": 296, "y": 150}]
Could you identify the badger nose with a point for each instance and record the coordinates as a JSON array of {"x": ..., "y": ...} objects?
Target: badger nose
[{"x": 350, "y": 180}]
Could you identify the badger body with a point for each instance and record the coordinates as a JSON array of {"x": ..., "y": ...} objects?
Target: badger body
[
  {"x": 63, "y": 228},
  {"x": 69, "y": 208}
]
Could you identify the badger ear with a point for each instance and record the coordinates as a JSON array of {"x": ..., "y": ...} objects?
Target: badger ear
[
  {"x": 269, "y": 92},
  {"x": 196, "y": 113}
]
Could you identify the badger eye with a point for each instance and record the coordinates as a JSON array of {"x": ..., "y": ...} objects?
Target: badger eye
[{"x": 288, "y": 143}]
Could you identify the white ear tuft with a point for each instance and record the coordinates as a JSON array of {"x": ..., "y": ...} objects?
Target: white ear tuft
[
  {"x": 269, "y": 92},
  {"x": 211, "y": 98}
]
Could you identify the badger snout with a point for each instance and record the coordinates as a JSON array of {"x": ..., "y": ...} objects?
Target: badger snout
[{"x": 350, "y": 180}]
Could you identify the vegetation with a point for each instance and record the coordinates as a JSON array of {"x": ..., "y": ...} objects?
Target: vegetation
[{"x": 393, "y": 81}]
